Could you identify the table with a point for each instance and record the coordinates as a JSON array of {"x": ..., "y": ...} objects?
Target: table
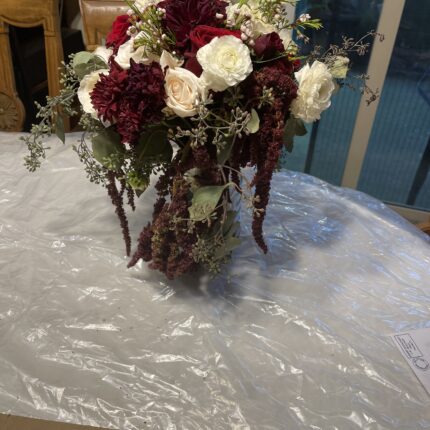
[{"x": 297, "y": 339}]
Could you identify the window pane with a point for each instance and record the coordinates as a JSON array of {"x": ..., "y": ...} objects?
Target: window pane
[
  {"x": 398, "y": 158},
  {"x": 327, "y": 146}
]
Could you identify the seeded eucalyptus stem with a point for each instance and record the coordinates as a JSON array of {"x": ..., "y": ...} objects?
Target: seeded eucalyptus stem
[{"x": 51, "y": 119}]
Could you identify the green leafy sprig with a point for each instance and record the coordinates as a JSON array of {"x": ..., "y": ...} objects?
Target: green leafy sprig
[{"x": 51, "y": 120}]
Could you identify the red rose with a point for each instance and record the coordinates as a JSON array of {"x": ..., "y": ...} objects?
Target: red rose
[
  {"x": 201, "y": 36},
  {"x": 118, "y": 34},
  {"x": 268, "y": 46},
  {"x": 183, "y": 16}
]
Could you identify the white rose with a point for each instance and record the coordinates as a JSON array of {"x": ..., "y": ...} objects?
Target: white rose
[
  {"x": 225, "y": 61},
  {"x": 86, "y": 88},
  {"x": 316, "y": 87},
  {"x": 183, "y": 88},
  {"x": 126, "y": 52},
  {"x": 103, "y": 53}
]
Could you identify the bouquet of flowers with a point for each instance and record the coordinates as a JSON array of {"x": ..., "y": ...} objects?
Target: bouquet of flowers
[{"x": 191, "y": 92}]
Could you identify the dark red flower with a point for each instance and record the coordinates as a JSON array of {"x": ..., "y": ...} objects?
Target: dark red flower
[
  {"x": 131, "y": 98},
  {"x": 108, "y": 91},
  {"x": 201, "y": 36},
  {"x": 266, "y": 145},
  {"x": 118, "y": 34},
  {"x": 142, "y": 100},
  {"x": 193, "y": 65},
  {"x": 268, "y": 46},
  {"x": 182, "y": 16},
  {"x": 284, "y": 65}
]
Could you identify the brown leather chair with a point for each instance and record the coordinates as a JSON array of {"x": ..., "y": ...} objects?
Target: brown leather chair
[
  {"x": 27, "y": 13},
  {"x": 97, "y": 17}
]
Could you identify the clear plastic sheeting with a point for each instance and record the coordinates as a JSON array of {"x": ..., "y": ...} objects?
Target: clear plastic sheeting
[{"x": 296, "y": 339}]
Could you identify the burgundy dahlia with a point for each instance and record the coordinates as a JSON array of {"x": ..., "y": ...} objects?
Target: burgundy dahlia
[
  {"x": 131, "y": 99},
  {"x": 182, "y": 16},
  {"x": 107, "y": 93},
  {"x": 142, "y": 100}
]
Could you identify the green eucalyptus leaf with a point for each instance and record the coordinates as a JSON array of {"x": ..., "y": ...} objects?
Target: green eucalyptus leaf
[
  {"x": 205, "y": 200},
  {"x": 82, "y": 58},
  {"x": 85, "y": 63},
  {"x": 229, "y": 223},
  {"x": 59, "y": 128},
  {"x": 98, "y": 63},
  {"x": 230, "y": 244},
  {"x": 254, "y": 123},
  {"x": 289, "y": 133},
  {"x": 107, "y": 146},
  {"x": 300, "y": 128},
  {"x": 138, "y": 181},
  {"x": 81, "y": 71},
  {"x": 293, "y": 127},
  {"x": 154, "y": 146},
  {"x": 225, "y": 153}
]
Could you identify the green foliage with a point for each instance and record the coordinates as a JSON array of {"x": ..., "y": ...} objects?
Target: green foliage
[
  {"x": 154, "y": 147},
  {"x": 96, "y": 173},
  {"x": 51, "y": 119},
  {"x": 254, "y": 123},
  {"x": 293, "y": 127},
  {"x": 108, "y": 149},
  {"x": 273, "y": 11},
  {"x": 230, "y": 244},
  {"x": 85, "y": 63},
  {"x": 205, "y": 201},
  {"x": 214, "y": 247},
  {"x": 82, "y": 57},
  {"x": 230, "y": 225},
  {"x": 314, "y": 24},
  {"x": 230, "y": 241},
  {"x": 59, "y": 128},
  {"x": 153, "y": 35},
  {"x": 224, "y": 154},
  {"x": 138, "y": 182}
]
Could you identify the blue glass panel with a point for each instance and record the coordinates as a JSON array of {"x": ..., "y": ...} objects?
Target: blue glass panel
[
  {"x": 326, "y": 148},
  {"x": 398, "y": 158}
]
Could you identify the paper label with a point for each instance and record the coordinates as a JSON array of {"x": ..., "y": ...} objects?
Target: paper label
[{"x": 415, "y": 348}]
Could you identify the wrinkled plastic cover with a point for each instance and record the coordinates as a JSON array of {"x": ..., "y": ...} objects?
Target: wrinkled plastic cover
[{"x": 296, "y": 339}]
